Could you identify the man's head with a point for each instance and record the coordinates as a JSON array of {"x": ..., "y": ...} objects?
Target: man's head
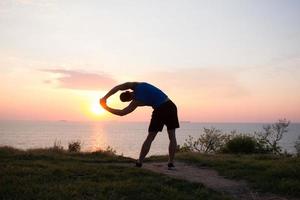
[{"x": 126, "y": 96}]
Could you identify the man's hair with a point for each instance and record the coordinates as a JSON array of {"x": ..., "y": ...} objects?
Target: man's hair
[{"x": 125, "y": 96}]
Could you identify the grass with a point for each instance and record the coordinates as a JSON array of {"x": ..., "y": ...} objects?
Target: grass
[
  {"x": 57, "y": 174},
  {"x": 265, "y": 173}
]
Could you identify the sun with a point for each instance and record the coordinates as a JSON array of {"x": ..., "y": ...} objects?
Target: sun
[{"x": 97, "y": 109}]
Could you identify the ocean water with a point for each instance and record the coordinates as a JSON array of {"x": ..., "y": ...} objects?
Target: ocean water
[{"x": 125, "y": 137}]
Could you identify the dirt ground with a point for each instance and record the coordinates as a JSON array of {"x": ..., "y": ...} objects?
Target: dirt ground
[{"x": 211, "y": 179}]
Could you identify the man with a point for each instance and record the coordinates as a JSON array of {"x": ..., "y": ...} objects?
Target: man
[{"x": 164, "y": 113}]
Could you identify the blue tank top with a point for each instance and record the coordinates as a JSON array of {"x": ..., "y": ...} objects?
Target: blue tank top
[{"x": 149, "y": 95}]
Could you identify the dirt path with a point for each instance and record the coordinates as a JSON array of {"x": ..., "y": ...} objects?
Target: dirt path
[{"x": 210, "y": 179}]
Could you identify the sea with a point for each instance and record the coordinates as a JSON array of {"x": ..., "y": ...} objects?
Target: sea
[{"x": 124, "y": 137}]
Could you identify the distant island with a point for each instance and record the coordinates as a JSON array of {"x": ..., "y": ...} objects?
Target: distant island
[{"x": 185, "y": 121}]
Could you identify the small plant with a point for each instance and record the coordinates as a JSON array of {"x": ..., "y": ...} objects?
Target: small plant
[
  {"x": 108, "y": 151},
  {"x": 74, "y": 146},
  {"x": 57, "y": 147},
  {"x": 183, "y": 148},
  {"x": 241, "y": 144}
]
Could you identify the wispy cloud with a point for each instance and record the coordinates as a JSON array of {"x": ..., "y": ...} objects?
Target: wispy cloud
[
  {"x": 34, "y": 2},
  {"x": 79, "y": 80}
]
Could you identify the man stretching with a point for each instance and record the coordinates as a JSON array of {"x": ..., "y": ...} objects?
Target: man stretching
[{"x": 164, "y": 113}]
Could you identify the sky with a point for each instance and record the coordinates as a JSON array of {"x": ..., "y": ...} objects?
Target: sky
[{"x": 219, "y": 61}]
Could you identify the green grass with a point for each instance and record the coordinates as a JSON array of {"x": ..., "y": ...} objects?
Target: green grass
[
  {"x": 266, "y": 173},
  {"x": 51, "y": 174}
]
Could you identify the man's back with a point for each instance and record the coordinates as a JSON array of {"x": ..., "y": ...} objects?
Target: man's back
[{"x": 149, "y": 95}]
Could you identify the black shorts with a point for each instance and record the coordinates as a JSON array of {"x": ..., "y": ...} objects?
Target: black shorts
[{"x": 165, "y": 114}]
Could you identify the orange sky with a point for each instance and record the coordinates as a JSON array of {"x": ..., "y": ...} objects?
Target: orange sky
[{"x": 30, "y": 95}]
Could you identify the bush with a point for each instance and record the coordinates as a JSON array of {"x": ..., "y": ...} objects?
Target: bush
[
  {"x": 57, "y": 147},
  {"x": 108, "y": 151},
  {"x": 74, "y": 146},
  {"x": 214, "y": 140},
  {"x": 241, "y": 144},
  {"x": 183, "y": 149},
  {"x": 210, "y": 142},
  {"x": 268, "y": 140}
]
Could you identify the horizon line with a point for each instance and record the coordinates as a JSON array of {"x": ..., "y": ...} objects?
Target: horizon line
[{"x": 106, "y": 121}]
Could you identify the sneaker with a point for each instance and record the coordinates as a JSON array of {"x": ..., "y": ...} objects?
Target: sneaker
[
  {"x": 171, "y": 166},
  {"x": 138, "y": 164}
]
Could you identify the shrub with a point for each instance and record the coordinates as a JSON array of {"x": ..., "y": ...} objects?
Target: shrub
[
  {"x": 108, "y": 151},
  {"x": 210, "y": 142},
  {"x": 57, "y": 147},
  {"x": 74, "y": 146},
  {"x": 214, "y": 140},
  {"x": 183, "y": 149},
  {"x": 5, "y": 150},
  {"x": 268, "y": 140},
  {"x": 241, "y": 144}
]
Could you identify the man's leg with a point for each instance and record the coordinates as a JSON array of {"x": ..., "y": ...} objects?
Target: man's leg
[
  {"x": 146, "y": 146},
  {"x": 172, "y": 145}
]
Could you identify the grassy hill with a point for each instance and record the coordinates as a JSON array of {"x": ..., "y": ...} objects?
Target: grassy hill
[{"x": 57, "y": 174}]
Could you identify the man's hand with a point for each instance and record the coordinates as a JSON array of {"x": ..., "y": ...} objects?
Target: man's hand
[{"x": 103, "y": 103}]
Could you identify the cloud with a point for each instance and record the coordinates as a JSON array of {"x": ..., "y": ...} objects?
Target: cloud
[
  {"x": 34, "y": 2},
  {"x": 79, "y": 80}
]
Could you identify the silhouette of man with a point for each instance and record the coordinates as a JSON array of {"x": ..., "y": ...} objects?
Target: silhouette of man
[{"x": 164, "y": 113}]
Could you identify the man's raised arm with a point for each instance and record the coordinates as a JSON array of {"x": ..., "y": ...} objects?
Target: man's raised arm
[
  {"x": 124, "y": 86},
  {"x": 131, "y": 107}
]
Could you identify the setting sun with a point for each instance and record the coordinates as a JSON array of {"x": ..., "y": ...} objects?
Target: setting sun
[{"x": 97, "y": 109}]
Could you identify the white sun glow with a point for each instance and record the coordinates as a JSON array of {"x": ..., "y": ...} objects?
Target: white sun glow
[{"x": 97, "y": 109}]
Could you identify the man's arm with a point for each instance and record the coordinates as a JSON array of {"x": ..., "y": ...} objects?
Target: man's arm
[
  {"x": 131, "y": 107},
  {"x": 124, "y": 86}
]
